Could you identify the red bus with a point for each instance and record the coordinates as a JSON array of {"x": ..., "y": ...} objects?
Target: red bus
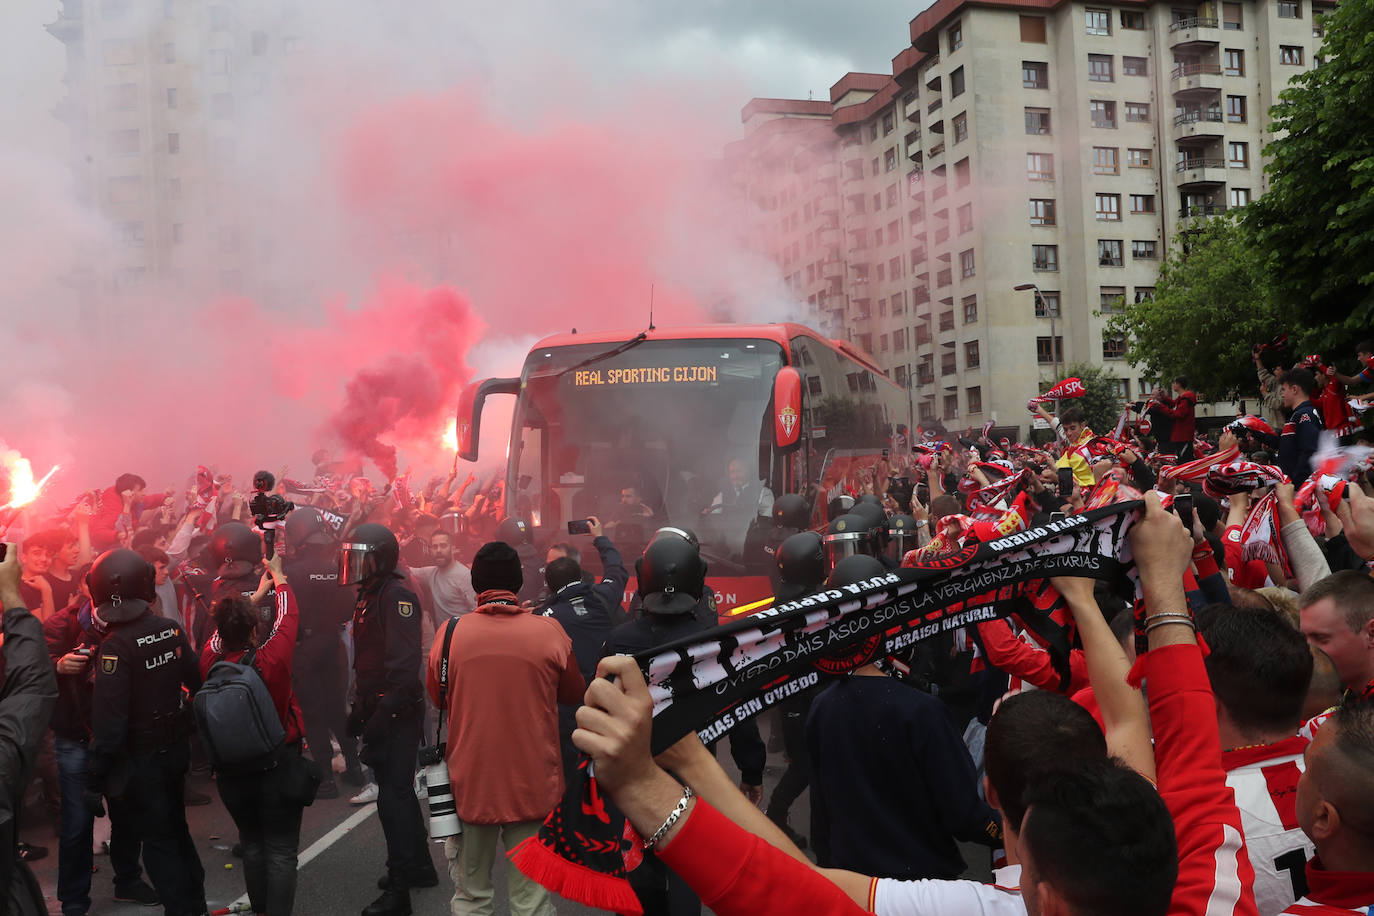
[{"x": 695, "y": 427}]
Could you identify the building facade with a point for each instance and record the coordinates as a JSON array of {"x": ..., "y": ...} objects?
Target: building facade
[{"x": 1060, "y": 148}]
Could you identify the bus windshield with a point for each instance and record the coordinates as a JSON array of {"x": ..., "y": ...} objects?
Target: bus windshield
[{"x": 666, "y": 432}]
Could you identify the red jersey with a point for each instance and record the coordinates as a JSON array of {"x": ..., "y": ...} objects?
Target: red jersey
[
  {"x": 1335, "y": 893},
  {"x": 273, "y": 662},
  {"x": 1265, "y": 782},
  {"x": 1335, "y": 412}
]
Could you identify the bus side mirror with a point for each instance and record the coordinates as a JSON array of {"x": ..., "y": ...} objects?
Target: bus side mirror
[
  {"x": 787, "y": 407},
  {"x": 470, "y": 403}
]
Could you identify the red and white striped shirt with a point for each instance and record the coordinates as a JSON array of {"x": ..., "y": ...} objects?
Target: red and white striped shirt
[
  {"x": 1335, "y": 893},
  {"x": 1265, "y": 782}
]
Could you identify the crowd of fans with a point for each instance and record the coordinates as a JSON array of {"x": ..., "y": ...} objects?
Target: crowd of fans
[{"x": 1205, "y": 745}]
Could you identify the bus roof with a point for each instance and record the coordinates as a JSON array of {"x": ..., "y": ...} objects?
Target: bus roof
[{"x": 782, "y": 333}]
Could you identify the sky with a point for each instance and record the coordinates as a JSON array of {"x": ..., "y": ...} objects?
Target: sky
[{"x": 556, "y": 160}]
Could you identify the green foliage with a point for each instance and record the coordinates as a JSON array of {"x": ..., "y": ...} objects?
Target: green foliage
[
  {"x": 1100, "y": 402},
  {"x": 1213, "y": 301},
  {"x": 1316, "y": 221}
]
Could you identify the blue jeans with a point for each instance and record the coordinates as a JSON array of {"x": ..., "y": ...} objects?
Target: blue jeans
[{"x": 74, "y": 856}]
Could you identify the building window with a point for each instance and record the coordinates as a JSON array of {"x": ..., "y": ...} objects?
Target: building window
[
  {"x": 1138, "y": 158},
  {"x": 1047, "y": 303},
  {"x": 882, "y": 343},
  {"x": 966, "y": 263},
  {"x": 1137, "y": 111},
  {"x": 1235, "y": 109},
  {"x": 1037, "y": 120},
  {"x": 1108, "y": 207},
  {"x": 1035, "y": 74},
  {"x": 173, "y": 143},
  {"x": 974, "y": 395},
  {"x": 1133, "y": 20},
  {"x": 971, "y": 317},
  {"x": 947, "y": 322},
  {"x": 1232, "y": 18},
  {"x": 890, "y": 159},
  {"x": 962, "y": 173},
  {"x": 956, "y": 36},
  {"x": 1290, "y": 9},
  {"x": 1045, "y": 257},
  {"x": 951, "y": 406},
  {"x": 169, "y": 53},
  {"x": 1144, "y": 249},
  {"x": 1103, "y": 113},
  {"x": 1033, "y": 29},
  {"x": 1105, "y": 160},
  {"x": 1238, "y": 155},
  {"x": 1123, "y": 388},
  {"x": 121, "y": 97},
  {"x": 131, "y": 234},
  {"x": 1142, "y": 203},
  {"x": 1099, "y": 22},
  {"x": 1042, "y": 212},
  {"x": 956, "y": 83},
  {"x": 960, "y": 127},
  {"x": 1109, "y": 252},
  {"x": 178, "y": 233},
  {"x": 1240, "y": 197},
  {"x": 1110, "y": 299},
  {"x": 174, "y": 188},
  {"x": 1135, "y": 66},
  {"x": 889, "y": 123},
  {"x": 1144, "y": 294},
  {"x": 1040, "y": 166},
  {"x": 1100, "y": 68},
  {"x": 1235, "y": 62},
  {"x": 945, "y": 277},
  {"x": 1290, "y": 54},
  {"x": 219, "y": 62},
  {"x": 171, "y": 97},
  {"x": 965, "y": 214},
  {"x": 123, "y": 142},
  {"x": 1049, "y": 350},
  {"x": 1113, "y": 347}
]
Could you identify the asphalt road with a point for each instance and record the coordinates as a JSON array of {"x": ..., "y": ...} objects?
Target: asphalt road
[{"x": 346, "y": 853}]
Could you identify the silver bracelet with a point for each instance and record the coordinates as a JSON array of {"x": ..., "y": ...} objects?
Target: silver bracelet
[
  {"x": 1170, "y": 623},
  {"x": 677, "y": 812}
]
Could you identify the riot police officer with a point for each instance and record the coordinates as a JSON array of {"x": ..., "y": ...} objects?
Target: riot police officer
[
  {"x": 236, "y": 557},
  {"x": 140, "y": 748},
  {"x": 388, "y": 707},
  {"x": 321, "y": 665}
]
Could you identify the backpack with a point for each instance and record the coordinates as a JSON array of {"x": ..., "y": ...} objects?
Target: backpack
[{"x": 236, "y": 718}]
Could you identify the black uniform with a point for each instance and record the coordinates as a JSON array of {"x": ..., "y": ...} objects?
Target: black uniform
[
  {"x": 140, "y": 750},
  {"x": 388, "y": 712},
  {"x": 320, "y": 671}
]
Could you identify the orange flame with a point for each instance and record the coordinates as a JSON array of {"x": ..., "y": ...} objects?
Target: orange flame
[
  {"x": 23, "y": 488},
  {"x": 451, "y": 435}
]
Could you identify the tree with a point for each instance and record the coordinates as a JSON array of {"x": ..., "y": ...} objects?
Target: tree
[
  {"x": 1213, "y": 301},
  {"x": 1100, "y": 402},
  {"x": 1316, "y": 221}
]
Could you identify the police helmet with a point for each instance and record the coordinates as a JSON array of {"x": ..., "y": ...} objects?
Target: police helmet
[
  {"x": 791, "y": 510},
  {"x": 902, "y": 531},
  {"x": 513, "y": 531},
  {"x": 868, "y": 499},
  {"x": 306, "y": 526},
  {"x": 838, "y": 506},
  {"x": 368, "y": 552},
  {"x": 235, "y": 549},
  {"x": 122, "y": 585},
  {"x": 855, "y": 569},
  {"x": 847, "y": 536},
  {"x": 671, "y": 574},
  {"x": 802, "y": 566}
]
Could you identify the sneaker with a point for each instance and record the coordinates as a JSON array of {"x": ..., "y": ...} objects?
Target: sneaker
[
  {"x": 366, "y": 797},
  {"x": 31, "y": 853},
  {"x": 391, "y": 903},
  {"x": 328, "y": 789},
  {"x": 355, "y": 776},
  {"x": 426, "y": 877},
  {"x": 139, "y": 892}
]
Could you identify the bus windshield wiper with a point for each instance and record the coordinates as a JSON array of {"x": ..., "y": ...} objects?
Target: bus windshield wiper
[{"x": 613, "y": 352}]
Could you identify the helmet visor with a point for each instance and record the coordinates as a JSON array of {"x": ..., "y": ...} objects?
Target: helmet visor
[
  {"x": 901, "y": 541},
  {"x": 357, "y": 562},
  {"x": 844, "y": 544}
]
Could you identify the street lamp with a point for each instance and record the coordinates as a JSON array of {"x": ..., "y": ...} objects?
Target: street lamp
[{"x": 1054, "y": 341}]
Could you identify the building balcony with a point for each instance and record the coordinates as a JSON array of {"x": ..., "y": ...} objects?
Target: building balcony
[
  {"x": 1195, "y": 33},
  {"x": 1199, "y": 125},
  {"x": 915, "y": 154},
  {"x": 1201, "y": 172},
  {"x": 1193, "y": 215},
  {"x": 913, "y": 138},
  {"x": 832, "y": 269},
  {"x": 829, "y": 203},
  {"x": 1196, "y": 80},
  {"x": 828, "y": 235},
  {"x": 934, "y": 106},
  {"x": 937, "y": 152},
  {"x": 66, "y": 29},
  {"x": 828, "y": 171}
]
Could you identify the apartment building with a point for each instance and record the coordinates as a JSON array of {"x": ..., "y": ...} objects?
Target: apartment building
[
  {"x": 1058, "y": 148},
  {"x": 155, "y": 91}
]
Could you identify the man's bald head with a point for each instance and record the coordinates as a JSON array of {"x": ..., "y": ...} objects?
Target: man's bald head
[{"x": 1336, "y": 791}]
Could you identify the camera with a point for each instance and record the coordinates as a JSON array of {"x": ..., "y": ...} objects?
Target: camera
[
  {"x": 269, "y": 510},
  {"x": 580, "y": 526},
  {"x": 443, "y": 811}
]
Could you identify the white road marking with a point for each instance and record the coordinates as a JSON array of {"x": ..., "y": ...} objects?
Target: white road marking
[{"x": 314, "y": 850}]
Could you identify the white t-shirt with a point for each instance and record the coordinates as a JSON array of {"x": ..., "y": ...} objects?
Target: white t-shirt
[
  {"x": 450, "y": 588},
  {"x": 890, "y": 897},
  {"x": 1265, "y": 781}
]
